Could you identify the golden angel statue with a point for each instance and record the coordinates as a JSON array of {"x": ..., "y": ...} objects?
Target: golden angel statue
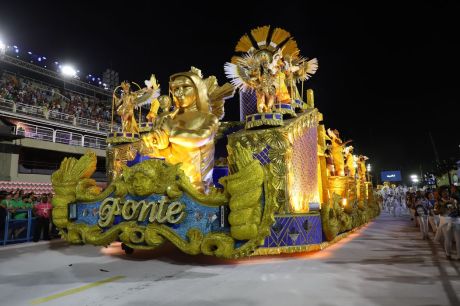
[
  {"x": 186, "y": 135},
  {"x": 155, "y": 103},
  {"x": 130, "y": 100},
  {"x": 271, "y": 67}
]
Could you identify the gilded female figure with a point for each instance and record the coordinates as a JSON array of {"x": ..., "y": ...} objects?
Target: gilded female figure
[{"x": 187, "y": 135}]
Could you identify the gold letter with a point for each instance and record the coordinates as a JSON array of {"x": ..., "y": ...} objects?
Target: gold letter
[
  {"x": 130, "y": 209},
  {"x": 145, "y": 211},
  {"x": 175, "y": 208},
  {"x": 161, "y": 216},
  {"x": 107, "y": 212},
  {"x": 153, "y": 212}
]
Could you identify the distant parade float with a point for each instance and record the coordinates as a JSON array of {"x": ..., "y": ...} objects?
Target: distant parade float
[{"x": 285, "y": 185}]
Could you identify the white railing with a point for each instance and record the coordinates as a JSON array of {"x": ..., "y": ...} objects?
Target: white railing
[
  {"x": 53, "y": 115},
  {"x": 7, "y": 105},
  {"x": 26, "y": 109},
  {"x": 58, "y": 136},
  {"x": 94, "y": 142},
  {"x": 70, "y": 138},
  {"x": 35, "y": 132}
]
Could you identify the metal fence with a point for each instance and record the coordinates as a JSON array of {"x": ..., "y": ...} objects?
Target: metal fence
[
  {"x": 53, "y": 115},
  {"x": 69, "y": 138}
]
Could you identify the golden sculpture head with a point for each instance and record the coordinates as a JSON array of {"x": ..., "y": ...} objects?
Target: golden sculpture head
[
  {"x": 264, "y": 56},
  {"x": 362, "y": 158},
  {"x": 165, "y": 102},
  {"x": 125, "y": 86},
  {"x": 348, "y": 150},
  {"x": 189, "y": 90},
  {"x": 152, "y": 176}
]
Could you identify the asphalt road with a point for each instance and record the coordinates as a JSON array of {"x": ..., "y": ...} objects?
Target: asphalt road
[{"x": 384, "y": 263}]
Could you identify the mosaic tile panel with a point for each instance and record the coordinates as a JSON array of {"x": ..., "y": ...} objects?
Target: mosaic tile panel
[
  {"x": 303, "y": 182},
  {"x": 248, "y": 104},
  {"x": 295, "y": 230}
]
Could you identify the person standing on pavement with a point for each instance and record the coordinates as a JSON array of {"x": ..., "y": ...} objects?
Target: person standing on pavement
[
  {"x": 43, "y": 212},
  {"x": 445, "y": 207}
]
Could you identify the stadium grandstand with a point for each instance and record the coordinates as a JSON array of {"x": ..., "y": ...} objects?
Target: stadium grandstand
[{"x": 45, "y": 116}]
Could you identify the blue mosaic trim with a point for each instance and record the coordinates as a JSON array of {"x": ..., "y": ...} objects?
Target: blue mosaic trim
[
  {"x": 146, "y": 124},
  {"x": 295, "y": 230},
  {"x": 263, "y": 156},
  {"x": 256, "y": 117},
  {"x": 284, "y": 106}
]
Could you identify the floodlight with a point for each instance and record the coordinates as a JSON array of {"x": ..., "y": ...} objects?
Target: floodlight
[
  {"x": 2, "y": 47},
  {"x": 68, "y": 71}
]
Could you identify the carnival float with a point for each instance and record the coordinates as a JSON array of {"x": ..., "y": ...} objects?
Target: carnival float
[{"x": 284, "y": 183}]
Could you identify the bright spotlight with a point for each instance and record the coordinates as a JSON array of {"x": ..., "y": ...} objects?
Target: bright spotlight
[
  {"x": 414, "y": 178},
  {"x": 68, "y": 71},
  {"x": 369, "y": 168},
  {"x": 2, "y": 47}
]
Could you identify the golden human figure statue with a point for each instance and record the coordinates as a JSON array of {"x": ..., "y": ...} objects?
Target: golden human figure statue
[
  {"x": 125, "y": 109},
  {"x": 349, "y": 161},
  {"x": 186, "y": 135},
  {"x": 153, "y": 85},
  {"x": 337, "y": 151},
  {"x": 164, "y": 103},
  {"x": 268, "y": 62},
  {"x": 362, "y": 170},
  {"x": 279, "y": 71},
  {"x": 152, "y": 115},
  {"x": 263, "y": 81},
  {"x": 130, "y": 100}
]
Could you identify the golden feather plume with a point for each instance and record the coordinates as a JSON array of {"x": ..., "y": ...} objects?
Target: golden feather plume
[
  {"x": 291, "y": 49},
  {"x": 72, "y": 170},
  {"x": 211, "y": 84},
  {"x": 279, "y": 35},
  {"x": 235, "y": 59},
  {"x": 260, "y": 35},
  {"x": 218, "y": 95},
  {"x": 244, "y": 44}
]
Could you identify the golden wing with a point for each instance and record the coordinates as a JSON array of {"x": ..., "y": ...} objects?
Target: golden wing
[
  {"x": 239, "y": 71},
  {"x": 306, "y": 69}
]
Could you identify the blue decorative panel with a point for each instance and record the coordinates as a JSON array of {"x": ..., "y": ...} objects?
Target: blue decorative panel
[
  {"x": 206, "y": 219},
  {"x": 295, "y": 230}
]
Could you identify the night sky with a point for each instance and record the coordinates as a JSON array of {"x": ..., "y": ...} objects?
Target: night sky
[{"x": 388, "y": 71}]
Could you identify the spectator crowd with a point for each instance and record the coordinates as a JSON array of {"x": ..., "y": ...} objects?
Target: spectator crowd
[
  {"x": 17, "y": 205},
  {"x": 53, "y": 99}
]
